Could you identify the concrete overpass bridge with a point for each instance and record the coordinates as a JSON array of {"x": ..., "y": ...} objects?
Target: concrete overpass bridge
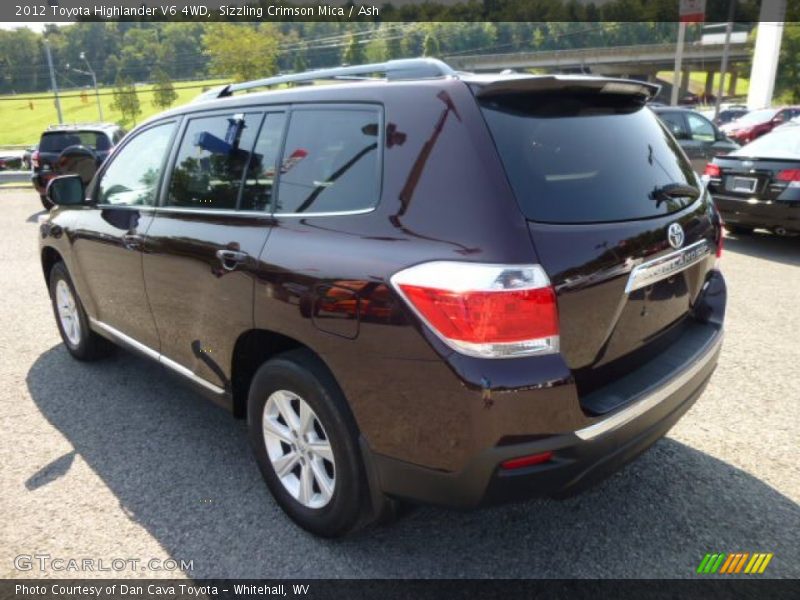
[{"x": 640, "y": 62}]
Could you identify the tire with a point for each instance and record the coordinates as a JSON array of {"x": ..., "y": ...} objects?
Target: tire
[
  {"x": 739, "y": 229},
  {"x": 46, "y": 201},
  {"x": 286, "y": 381},
  {"x": 81, "y": 342}
]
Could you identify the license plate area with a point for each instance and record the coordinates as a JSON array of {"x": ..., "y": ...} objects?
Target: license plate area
[{"x": 743, "y": 185}]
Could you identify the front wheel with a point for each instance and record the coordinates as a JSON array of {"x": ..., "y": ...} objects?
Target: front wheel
[
  {"x": 305, "y": 443},
  {"x": 73, "y": 324}
]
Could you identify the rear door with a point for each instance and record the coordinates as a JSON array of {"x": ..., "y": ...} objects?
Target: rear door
[
  {"x": 203, "y": 244},
  {"x": 608, "y": 195}
]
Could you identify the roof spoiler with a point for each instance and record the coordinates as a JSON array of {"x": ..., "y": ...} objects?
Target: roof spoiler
[{"x": 484, "y": 87}]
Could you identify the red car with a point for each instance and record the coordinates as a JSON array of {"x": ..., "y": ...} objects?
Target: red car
[{"x": 758, "y": 122}]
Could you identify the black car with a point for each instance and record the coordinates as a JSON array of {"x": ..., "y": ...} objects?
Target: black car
[
  {"x": 699, "y": 137},
  {"x": 78, "y": 148},
  {"x": 416, "y": 286},
  {"x": 759, "y": 184},
  {"x": 730, "y": 114}
]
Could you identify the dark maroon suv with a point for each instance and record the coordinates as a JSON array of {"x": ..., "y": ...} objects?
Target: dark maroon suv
[{"x": 416, "y": 285}]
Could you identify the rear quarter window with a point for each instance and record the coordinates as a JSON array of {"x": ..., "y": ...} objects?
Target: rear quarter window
[
  {"x": 584, "y": 158},
  {"x": 330, "y": 161}
]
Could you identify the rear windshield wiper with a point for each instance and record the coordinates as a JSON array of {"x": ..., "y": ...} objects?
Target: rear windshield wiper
[{"x": 672, "y": 191}]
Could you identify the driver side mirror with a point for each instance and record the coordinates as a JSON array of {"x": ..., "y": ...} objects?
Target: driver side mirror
[{"x": 66, "y": 190}]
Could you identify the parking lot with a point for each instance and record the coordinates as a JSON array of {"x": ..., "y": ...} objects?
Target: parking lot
[{"x": 118, "y": 459}]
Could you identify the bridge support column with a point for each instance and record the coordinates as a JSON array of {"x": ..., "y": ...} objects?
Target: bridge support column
[
  {"x": 709, "y": 89},
  {"x": 732, "y": 77},
  {"x": 684, "y": 85}
]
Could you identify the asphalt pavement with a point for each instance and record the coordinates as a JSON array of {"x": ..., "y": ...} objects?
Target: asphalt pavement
[{"x": 118, "y": 460}]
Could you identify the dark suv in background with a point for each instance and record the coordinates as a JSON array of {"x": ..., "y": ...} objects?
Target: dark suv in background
[
  {"x": 700, "y": 139},
  {"x": 78, "y": 148},
  {"x": 421, "y": 286}
]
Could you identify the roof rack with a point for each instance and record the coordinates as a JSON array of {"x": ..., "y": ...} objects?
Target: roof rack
[{"x": 393, "y": 70}]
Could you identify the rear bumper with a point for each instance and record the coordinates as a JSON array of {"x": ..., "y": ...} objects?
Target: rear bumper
[
  {"x": 580, "y": 457},
  {"x": 759, "y": 213}
]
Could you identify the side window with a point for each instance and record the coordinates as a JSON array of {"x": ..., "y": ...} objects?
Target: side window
[
  {"x": 330, "y": 161},
  {"x": 132, "y": 176},
  {"x": 675, "y": 124},
  {"x": 702, "y": 130},
  {"x": 258, "y": 185},
  {"x": 211, "y": 161}
]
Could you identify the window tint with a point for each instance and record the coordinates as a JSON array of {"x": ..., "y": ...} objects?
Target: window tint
[
  {"x": 675, "y": 123},
  {"x": 330, "y": 161},
  {"x": 211, "y": 161},
  {"x": 58, "y": 141},
  {"x": 702, "y": 130},
  {"x": 257, "y": 191},
  {"x": 132, "y": 176},
  {"x": 580, "y": 158}
]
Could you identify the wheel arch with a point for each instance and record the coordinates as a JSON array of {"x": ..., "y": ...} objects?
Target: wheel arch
[
  {"x": 49, "y": 256},
  {"x": 252, "y": 349}
]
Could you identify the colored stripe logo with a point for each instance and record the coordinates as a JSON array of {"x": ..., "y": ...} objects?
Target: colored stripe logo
[{"x": 736, "y": 562}]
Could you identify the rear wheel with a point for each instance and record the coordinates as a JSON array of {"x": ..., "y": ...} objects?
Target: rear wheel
[
  {"x": 306, "y": 444},
  {"x": 738, "y": 229},
  {"x": 73, "y": 324},
  {"x": 45, "y": 201}
]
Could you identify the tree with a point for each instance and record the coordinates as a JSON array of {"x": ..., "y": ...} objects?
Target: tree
[
  {"x": 353, "y": 52},
  {"x": 787, "y": 79},
  {"x": 300, "y": 63},
  {"x": 164, "y": 93},
  {"x": 240, "y": 51},
  {"x": 430, "y": 47},
  {"x": 126, "y": 100}
]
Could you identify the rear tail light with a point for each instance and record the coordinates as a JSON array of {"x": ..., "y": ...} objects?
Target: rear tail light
[
  {"x": 35, "y": 159},
  {"x": 484, "y": 310},
  {"x": 788, "y": 175},
  {"x": 712, "y": 170}
]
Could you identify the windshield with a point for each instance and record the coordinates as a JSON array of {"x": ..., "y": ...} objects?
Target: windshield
[
  {"x": 781, "y": 143},
  {"x": 581, "y": 158},
  {"x": 757, "y": 116}
]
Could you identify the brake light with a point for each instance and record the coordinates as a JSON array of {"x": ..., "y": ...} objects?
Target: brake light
[
  {"x": 35, "y": 159},
  {"x": 483, "y": 310},
  {"x": 712, "y": 170},
  {"x": 789, "y": 175}
]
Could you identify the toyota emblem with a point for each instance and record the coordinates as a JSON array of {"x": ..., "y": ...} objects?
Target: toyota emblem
[{"x": 675, "y": 235}]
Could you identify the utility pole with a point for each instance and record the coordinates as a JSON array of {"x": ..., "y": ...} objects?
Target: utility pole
[
  {"x": 94, "y": 82},
  {"x": 724, "y": 67},
  {"x": 53, "y": 79},
  {"x": 676, "y": 74}
]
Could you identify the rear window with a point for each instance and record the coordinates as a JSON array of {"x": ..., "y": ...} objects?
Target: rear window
[
  {"x": 58, "y": 141},
  {"x": 583, "y": 158}
]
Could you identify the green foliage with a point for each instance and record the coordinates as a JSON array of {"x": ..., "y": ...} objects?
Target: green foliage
[
  {"x": 787, "y": 82},
  {"x": 164, "y": 93},
  {"x": 126, "y": 100},
  {"x": 430, "y": 47},
  {"x": 353, "y": 51},
  {"x": 240, "y": 51}
]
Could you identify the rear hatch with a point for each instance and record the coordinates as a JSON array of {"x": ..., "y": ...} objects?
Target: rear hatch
[
  {"x": 603, "y": 184},
  {"x": 53, "y": 143}
]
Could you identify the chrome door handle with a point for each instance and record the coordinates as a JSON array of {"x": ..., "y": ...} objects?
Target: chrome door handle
[
  {"x": 132, "y": 241},
  {"x": 231, "y": 258}
]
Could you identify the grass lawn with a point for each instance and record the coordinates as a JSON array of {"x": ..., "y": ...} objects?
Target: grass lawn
[
  {"x": 697, "y": 82},
  {"x": 19, "y": 125}
]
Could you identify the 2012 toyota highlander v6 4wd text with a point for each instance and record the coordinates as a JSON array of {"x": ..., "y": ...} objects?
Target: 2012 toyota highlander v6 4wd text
[{"x": 421, "y": 286}]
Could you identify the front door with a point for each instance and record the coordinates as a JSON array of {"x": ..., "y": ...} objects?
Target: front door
[
  {"x": 202, "y": 248},
  {"x": 109, "y": 236}
]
